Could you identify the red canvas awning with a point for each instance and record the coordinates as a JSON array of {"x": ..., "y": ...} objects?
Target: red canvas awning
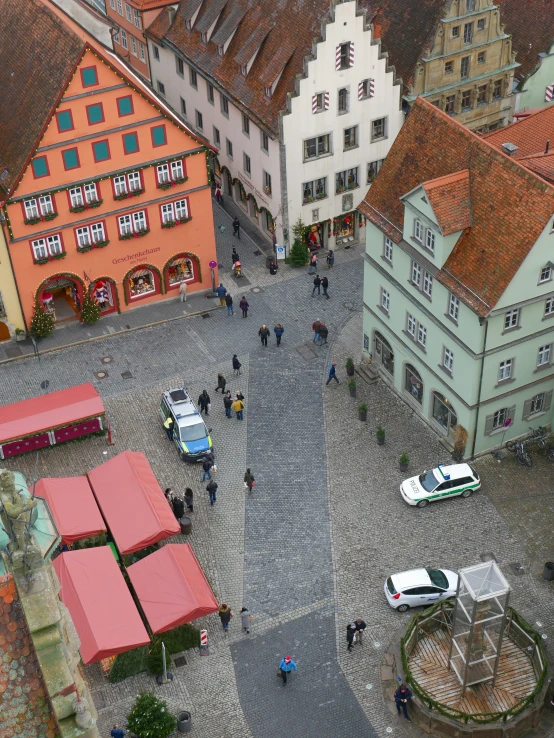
[
  {"x": 132, "y": 502},
  {"x": 73, "y": 507},
  {"x": 171, "y": 587},
  {"x": 101, "y": 606},
  {"x": 49, "y": 411}
]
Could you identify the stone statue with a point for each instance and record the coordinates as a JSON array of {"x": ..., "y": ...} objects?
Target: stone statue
[
  {"x": 15, "y": 512},
  {"x": 83, "y": 715}
]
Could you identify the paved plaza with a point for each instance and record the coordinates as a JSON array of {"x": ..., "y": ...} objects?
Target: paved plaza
[{"x": 310, "y": 548}]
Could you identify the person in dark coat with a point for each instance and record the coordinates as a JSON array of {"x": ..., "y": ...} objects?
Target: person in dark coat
[
  {"x": 221, "y": 292},
  {"x": 325, "y": 285},
  {"x": 330, "y": 259},
  {"x": 204, "y": 402},
  {"x": 225, "y": 614},
  {"x": 350, "y": 631},
  {"x": 221, "y": 382},
  {"x": 236, "y": 364},
  {"x": 229, "y": 303},
  {"x": 178, "y": 507},
  {"x": 332, "y": 374},
  {"x": 278, "y": 330},
  {"x": 273, "y": 267},
  {"x": 236, "y": 228},
  {"x": 249, "y": 480},
  {"x": 234, "y": 256},
  {"x": 263, "y": 333},
  {"x": 243, "y": 305},
  {"x": 168, "y": 494},
  {"x": 211, "y": 488},
  {"x": 227, "y": 402},
  {"x": 316, "y": 326},
  {"x": 323, "y": 333},
  {"x": 401, "y": 697},
  {"x": 317, "y": 285},
  {"x": 206, "y": 466},
  {"x": 189, "y": 499}
]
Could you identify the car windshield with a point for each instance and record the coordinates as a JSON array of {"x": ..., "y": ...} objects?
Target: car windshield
[
  {"x": 192, "y": 432},
  {"x": 437, "y": 578},
  {"x": 428, "y": 481}
]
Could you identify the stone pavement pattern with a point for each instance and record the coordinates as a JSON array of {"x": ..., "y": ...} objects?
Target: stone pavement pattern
[{"x": 325, "y": 525}]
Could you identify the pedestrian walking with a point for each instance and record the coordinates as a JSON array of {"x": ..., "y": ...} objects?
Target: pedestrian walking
[
  {"x": 221, "y": 292},
  {"x": 204, "y": 402},
  {"x": 350, "y": 631},
  {"x": 325, "y": 285},
  {"x": 218, "y": 195},
  {"x": 285, "y": 667},
  {"x": 178, "y": 507},
  {"x": 330, "y": 259},
  {"x": 246, "y": 619},
  {"x": 243, "y": 305},
  {"x": 117, "y": 732},
  {"x": 316, "y": 328},
  {"x": 189, "y": 499},
  {"x": 239, "y": 396},
  {"x": 278, "y": 330},
  {"x": 227, "y": 403},
  {"x": 234, "y": 256},
  {"x": 313, "y": 264},
  {"x": 332, "y": 374},
  {"x": 211, "y": 488},
  {"x": 168, "y": 494},
  {"x": 236, "y": 228},
  {"x": 238, "y": 407},
  {"x": 323, "y": 333},
  {"x": 236, "y": 365},
  {"x": 360, "y": 628},
  {"x": 263, "y": 333},
  {"x": 354, "y": 633},
  {"x": 183, "y": 291},
  {"x": 249, "y": 480},
  {"x": 168, "y": 425},
  {"x": 401, "y": 697},
  {"x": 317, "y": 285},
  {"x": 206, "y": 467},
  {"x": 225, "y": 615},
  {"x": 229, "y": 303},
  {"x": 221, "y": 382}
]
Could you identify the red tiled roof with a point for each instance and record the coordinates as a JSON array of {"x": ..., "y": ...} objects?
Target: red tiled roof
[
  {"x": 543, "y": 165},
  {"x": 510, "y": 206},
  {"x": 449, "y": 197},
  {"x": 150, "y": 4},
  {"x": 262, "y": 24},
  {"x": 531, "y": 24},
  {"x": 529, "y": 134},
  {"x": 25, "y": 708},
  {"x": 39, "y": 54}
]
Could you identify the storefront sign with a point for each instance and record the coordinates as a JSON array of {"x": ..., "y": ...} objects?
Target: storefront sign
[{"x": 134, "y": 257}]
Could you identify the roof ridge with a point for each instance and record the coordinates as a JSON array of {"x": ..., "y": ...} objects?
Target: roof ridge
[{"x": 454, "y": 177}]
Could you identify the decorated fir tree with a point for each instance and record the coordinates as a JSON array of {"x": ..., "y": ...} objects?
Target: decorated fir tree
[
  {"x": 42, "y": 322},
  {"x": 90, "y": 312},
  {"x": 150, "y": 718},
  {"x": 299, "y": 251}
]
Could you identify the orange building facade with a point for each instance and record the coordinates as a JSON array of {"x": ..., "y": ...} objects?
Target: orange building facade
[{"x": 115, "y": 199}]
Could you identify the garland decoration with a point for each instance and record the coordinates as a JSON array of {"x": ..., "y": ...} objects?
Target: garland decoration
[
  {"x": 173, "y": 223},
  {"x": 131, "y": 193},
  {"x": 134, "y": 234},
  {"x": 86, "y": 206},
  {"x": 54, "y": 257},
  {"x": 90, "y": 246}
]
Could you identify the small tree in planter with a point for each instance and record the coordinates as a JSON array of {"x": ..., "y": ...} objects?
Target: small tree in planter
[
  {"x": 352, "y": 387},
  {"x": 403, "y": 460},
  {"x": 299, "y": 252},
  {"x": 350, "y": 367},
  {"x": 460, "y": 440},
  {"x": 150, "y": 718},
  {"x": 42, "y": 323},
  {"x": 90, "y": 312},
  {"x": 380, "y": 434},
  {"x": 362, "y": 411}
]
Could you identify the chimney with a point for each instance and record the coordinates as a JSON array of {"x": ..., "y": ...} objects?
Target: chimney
[
  {"x": 171, "y": 14},
  {"x": 547, "y": 146},
  {"x": 509, "y": 148}
]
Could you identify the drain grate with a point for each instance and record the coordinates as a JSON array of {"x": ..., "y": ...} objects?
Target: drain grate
[
  {"x": 127, "y": 375},
  {"x": 517, "y": 568},
  {"x": 106, "y": 359},
  {"x": 101, "y": 374},
  {"x": 206, "y": 315},
  {"x": 180, "y": 661}
]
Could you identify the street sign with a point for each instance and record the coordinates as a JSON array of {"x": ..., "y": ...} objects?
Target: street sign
[
  {"x": 212, "y": 264},
  {"x": 280, "y": 251}
]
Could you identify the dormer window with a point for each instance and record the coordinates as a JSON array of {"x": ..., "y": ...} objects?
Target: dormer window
[
  {"x": 267, "y": 91},
  {"x": 546, "y": 274},
  {"x": 243, "y": 70},
  {"x": 220, "y": 50},
  {"x": 418, "y": 231},
  {"x": 204, "y": 37}
]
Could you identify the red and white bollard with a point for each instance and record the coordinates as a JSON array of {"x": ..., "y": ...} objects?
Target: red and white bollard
[
  {"x": 110, "y": 434},
  {"x": 203, "y": 642}
]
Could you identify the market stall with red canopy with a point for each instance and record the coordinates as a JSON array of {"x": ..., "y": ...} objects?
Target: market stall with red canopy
[
  {"x": 101, "y": 606},
  {"x": 171, "y": 587},
  {"x": 73, "y": 507},
  {"x": 132, "y": 502}
]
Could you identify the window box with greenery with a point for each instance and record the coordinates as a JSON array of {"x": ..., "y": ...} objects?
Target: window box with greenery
[
  {"x": 403, "y": 461},
  {"x": 134, "y": 234},
  {"x": 362, "y": 411},
  {"x": 352, "y": 387},
  {"x": 131, "y": 193},
  {"x": 172, "y": 183},
  {"x": 86, "y": 206},
  {"x": 380, "y": 435},
  {"x": 51, "y": 257},
  {"x": 173, "y": 223},
  {"x": 90, "y": 246},
  {"x": 40, "y": 218},
  {"x": 20, "y": 335}
]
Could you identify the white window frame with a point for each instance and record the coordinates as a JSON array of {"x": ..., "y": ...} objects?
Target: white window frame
[
  {"x": 120, "y": 7},
  {"x": 31, "y": 209},
  {"x": 76, "y": 197},
  {"x": 319, "y": 141},
  {"x": 125, "y": 224},
  {"x": 90, "y": 192},
  {"x": 139, "y": 220},
  {"x": 411, "y": 326},
  {"x": 430, "y": 240},
  {"x": 383, "y": 135},
  {"x": 128, "y": 13},
  {"x": 540, "y": 397},
  {"x": 545, "y": 274},
  {"x": 181, "y": 209},
  {"x": 421, "y": 335},
  {"x": 54, "y": 244},
  {"x": 427, "y": 285},
  {"x": 124, "y": 42},
  {"x": 416, "y": 274},
  {"x": 500, "y": 417},
  {"x": 246, "y": 164},
  {"x": 142, "y": 51},
  {"x": 132, "y": 222},
  {"x": 448, "y": 359},
  {"x": 387, "y": 249},
  {"x": 453, "y": 307},
  {"x": 136, "y": 19},
  {"x": 505, "y": 370},
  {"x": 83, "y": 236},
  {"x": 120, "y": 185},
  {"x": 418, "y": 230},
  {"x": 40, "y": 251},
  {"x": 168, "y": 212},
  {"x": 46, "y": 204},
  {"x": 97, "y": 232},
  {"x": 511, "y": 319},
  {"x": 112, "y": 4},
  {"x": 543, "y": 355},
  {"x": 549, "y": 307},
  {"x": 155, "y": 52},
  {"x": 385, "y": 300},
  {"x": 134, "y": 46}
]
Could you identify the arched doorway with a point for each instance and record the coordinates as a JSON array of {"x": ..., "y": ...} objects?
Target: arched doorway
[
  {"x": 62, "y": 296},
  {"x": 181, "y": 268},
  {"x": 413, "y": 384},
  {"x": 104, "y": 292},
  {"x": 444, "y": 414},
  {"x": 4, "y": 331},
  {"x": 383, "y": 353}
]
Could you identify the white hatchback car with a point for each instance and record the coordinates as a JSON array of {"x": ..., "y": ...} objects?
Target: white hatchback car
[
  {"x": 439, "y": 483},
  {"x": 420, "y": 587}
]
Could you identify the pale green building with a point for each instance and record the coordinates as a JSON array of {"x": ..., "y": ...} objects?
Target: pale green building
[
  {"x": 458, "y": 284},
  {"x": 537, "y": 90}
]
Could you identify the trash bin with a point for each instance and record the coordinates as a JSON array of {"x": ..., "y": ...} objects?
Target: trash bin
[
  {"x": 548, "y": 571},
  {"x": 186, "y": 526},
  {"x": 184, "y": 722}
]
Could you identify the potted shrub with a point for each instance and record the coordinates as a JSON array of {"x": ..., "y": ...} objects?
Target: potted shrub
[
  {"x": 362, "y": 411},
  {"x": 352, "y": 387},
  {"x": 350, "y": 367},
  {"x": 20, "y": 335},
  {"x": 380, "y": 434},
  {"x": 403, "y": 460}
]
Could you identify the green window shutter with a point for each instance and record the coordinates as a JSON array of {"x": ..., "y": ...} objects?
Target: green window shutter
[
  {"x": 488, "y": 424},
  {"x": 547, "y": 400},
  {"x": 70, "y": 159},
  {"x": 65, "y": 121},
  {"x": 158, "y": 135},
  {"x": 130, "y": 143},
  {"x": 125, "y": 105},
  {"x": 101, "y": 151},
  {"x": 40, "y": 166},
  {"x": 89, "y": 76},
  {"x": 526, "y": 409},
  {"x": 95, "y": 113}
]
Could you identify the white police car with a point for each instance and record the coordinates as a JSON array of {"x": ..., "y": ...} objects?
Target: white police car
[
  {"x": 420, "y": 587},
  {"x": 190, "y": 434},
  {"x": 439, "y": 483}
]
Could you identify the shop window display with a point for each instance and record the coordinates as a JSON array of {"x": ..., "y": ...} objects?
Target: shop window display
[
  {"x": 102, "y": 294},
  {"x": 413, "y": 383},
  {"x": 180, "y": 269},
  {"x": 443, "y": 413},
  {"x": 346, "y": 228},
  {"x": 142, "y": 282},
  {"x": 315, "y": 236}
]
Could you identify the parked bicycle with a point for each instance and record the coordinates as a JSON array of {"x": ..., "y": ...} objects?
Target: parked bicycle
[{"x": 538, "y": 437}]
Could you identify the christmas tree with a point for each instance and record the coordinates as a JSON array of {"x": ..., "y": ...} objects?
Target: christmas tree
[
  {"x": 299, "y": 251},
  {"x": 150, "y": 718},
  {"x": 42, "y": 323},
  {"x": 90, "y": 312}
]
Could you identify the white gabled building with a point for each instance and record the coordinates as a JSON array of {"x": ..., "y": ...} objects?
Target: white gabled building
[{"x": 296, "y": 96}]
